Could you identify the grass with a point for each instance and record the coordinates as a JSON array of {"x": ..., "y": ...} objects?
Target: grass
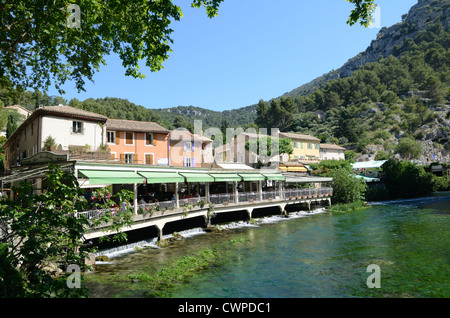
[
  {"x": 347, "y": 207},
  {"x": 164, "y": 282}
]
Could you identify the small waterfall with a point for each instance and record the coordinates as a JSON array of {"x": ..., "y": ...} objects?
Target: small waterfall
[{"x": 148, "y": 243}]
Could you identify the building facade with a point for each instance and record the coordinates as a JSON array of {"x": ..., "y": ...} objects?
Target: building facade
[
  {"x": 135, "y": 142},
  {"x": 332, "y": 152},
  {"x": 66, "y": 127},
  {"x": 306, "y": 148},
  {"x": 189, "y": 150}
]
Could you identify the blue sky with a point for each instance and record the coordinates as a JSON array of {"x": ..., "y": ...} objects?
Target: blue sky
[{"x": 254, "y": 49}]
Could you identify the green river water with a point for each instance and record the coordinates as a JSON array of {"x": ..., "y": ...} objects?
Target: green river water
[{"x": 320, "y": 254}]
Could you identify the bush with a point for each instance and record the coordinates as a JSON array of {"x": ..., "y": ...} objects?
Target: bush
[
  {"x": 346, "y": 187},
  {"x": 406, "y": 180},
  {"x": 441, "y": 183}
]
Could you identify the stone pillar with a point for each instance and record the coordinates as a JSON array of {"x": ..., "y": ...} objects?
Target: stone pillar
[
  {"x": 235, "y": 192},
  {"x": 177, "y": 196},
  {"x": 135, "y": 198},
  {"x": 207, "y": 192},
  {"x": 260, "y": 195},
  {"x": 160, "y": 227}
]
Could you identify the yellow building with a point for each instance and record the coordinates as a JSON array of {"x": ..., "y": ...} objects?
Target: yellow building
[{"x": 306, "y": 148}]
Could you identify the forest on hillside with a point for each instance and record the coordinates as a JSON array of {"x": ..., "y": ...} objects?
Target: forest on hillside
[{"x": 400, "y": 96}]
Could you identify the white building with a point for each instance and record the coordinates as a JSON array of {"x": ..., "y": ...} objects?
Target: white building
[
  {"x": 70, "y": 128},
  {"x": 331, "y": 152}
]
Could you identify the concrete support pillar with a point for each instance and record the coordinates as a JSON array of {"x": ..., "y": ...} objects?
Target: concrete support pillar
[
  {"x": 135, "y": 198},
  {"x": 207, "y": 221},
  {"x": 249, "y": 212},
  {"x": 160, "y": 227},
  {"x": 235, "y": 192}
]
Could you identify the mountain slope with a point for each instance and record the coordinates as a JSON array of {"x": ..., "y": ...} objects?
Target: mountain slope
[{"x": 419, "y": 18}]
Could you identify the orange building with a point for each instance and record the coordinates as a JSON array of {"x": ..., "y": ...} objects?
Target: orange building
[
  {"x": 137, "y": 142},
  {"x": 189, "y": 150}
]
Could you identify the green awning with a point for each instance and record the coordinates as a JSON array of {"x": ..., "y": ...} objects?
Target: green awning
[
  {"x": 274, "y": 176},
  {"x": 111, "y": 177},
  {"x": 161, "y": 177},
  {"x": 252, "y": 177},
  {"x": 225, "y": 177},
  {"x": 197, "y": 177}
]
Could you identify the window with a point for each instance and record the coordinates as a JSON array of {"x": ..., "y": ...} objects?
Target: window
[
  {"x": 129, "y": 158},
  {"x": 189, "y": 162},
  {"x": 129, "y": 138},
  {"x": 77, "y": 127},
  {"x": 317, "y": 146},
  {"x": 188, "y": 146},
  {"x": 295, "y": 144},
  {"x": 149, "y": 139},
  {"x": 309, "y": 145},
  {"x": 149, "y": 159},
  {"x": 111, "y": 137}
]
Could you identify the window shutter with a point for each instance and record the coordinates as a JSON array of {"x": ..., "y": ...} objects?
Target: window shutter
[
  {"x": 193, "y": 162},
  {"x": 149, "y": 159},
  {"x": 136, "y": 159},
  {"x": 193, "y": 145},
  {"x": 184, "y": 162},
  {"x": 122, "y": 158},
  {"x": 117, "y": 137},
  {"x": 113, "y": 156},
  {"x": 154, "y": 141}
]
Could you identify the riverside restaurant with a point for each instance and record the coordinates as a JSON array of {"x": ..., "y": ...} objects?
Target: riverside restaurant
[{"x": 176, "y": 193}]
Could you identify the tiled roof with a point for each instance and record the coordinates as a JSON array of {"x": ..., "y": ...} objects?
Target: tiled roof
[
  {"x": 298, "y": 136},
  {"x": 70, "y": 111},
  {"x": 187, "y": 135},
  {"x": 333, "y": 146},
  {"x": 132, "y": 125}
]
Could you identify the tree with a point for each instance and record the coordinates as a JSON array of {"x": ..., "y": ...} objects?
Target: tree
[
  {"x": 404, "y": 179},
  {"x": 47, "y": 41},
  {"x": 56, "y": 40},
  {"x": 39, "y": 230},
  {"x": 346, "y": 187},
  {"x": 11, "y": 126},
  {"x": 269, "y": 147},
  {"x": 409, "y": 148},
  {"x": 363, "y": 12}
]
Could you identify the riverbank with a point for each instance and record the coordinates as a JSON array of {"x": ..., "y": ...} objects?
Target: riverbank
[{"x": 347, "y": 207}]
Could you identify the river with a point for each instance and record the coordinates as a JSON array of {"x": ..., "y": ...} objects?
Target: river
[{"x": 307, "y": 255}]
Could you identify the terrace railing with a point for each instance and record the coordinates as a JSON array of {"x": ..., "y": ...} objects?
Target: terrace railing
[{"x": 218, "y": 199}]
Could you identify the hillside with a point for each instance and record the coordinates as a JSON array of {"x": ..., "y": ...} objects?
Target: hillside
[
  {"x": 393, "y": 94},
  {"x": 387, "y": 101},
  {"x": 419, "y": 18}
]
